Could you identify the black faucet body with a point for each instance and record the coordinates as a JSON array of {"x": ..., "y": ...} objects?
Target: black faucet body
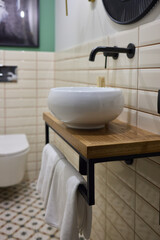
[{"x": 113, "y": 51}]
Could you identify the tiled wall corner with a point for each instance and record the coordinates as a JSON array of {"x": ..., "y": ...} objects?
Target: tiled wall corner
[
  {"x": 23, "y": 102},
  {"x": 127, "y": 197}
]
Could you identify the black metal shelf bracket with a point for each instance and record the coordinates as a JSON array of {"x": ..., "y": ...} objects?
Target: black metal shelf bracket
[{"x": 86, "y": 167}]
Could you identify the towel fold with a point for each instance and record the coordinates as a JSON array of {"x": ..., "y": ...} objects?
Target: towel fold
[
  {"x": 66, "y": 208},
  {"x": 50, "y": 156}
]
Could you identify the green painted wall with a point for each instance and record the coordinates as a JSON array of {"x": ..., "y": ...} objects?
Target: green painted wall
[{"x": 46, "y": 28}]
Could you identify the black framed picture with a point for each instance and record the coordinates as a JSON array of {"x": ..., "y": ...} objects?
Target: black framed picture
[{"x": 19, "y": 23}]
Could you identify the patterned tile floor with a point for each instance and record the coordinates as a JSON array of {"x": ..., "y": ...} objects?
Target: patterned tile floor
[{"x": 22, "y": 214}]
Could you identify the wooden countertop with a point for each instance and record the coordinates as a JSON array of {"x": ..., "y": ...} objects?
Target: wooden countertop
[{"x": 116, "y": 139}]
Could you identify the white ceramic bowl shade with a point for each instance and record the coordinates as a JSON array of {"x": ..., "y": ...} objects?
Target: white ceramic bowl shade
[{"x": 85, "y": 107}]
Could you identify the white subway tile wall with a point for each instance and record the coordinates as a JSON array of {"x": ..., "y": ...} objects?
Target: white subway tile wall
[
  {"x": 127, "y": 197},
  {"x": 22, "y": 103}
]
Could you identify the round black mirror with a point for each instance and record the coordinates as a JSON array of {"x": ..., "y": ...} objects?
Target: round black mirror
[{"x": 128, "y": 11}]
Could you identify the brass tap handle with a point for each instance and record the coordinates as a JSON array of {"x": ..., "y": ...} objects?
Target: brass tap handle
[{"x": 66, "y": 8}]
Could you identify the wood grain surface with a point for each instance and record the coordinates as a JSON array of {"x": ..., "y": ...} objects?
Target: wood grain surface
[{"x": 116, "y": 139}]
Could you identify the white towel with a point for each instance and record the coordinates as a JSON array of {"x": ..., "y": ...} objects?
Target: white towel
[
  {"x": 50, "y": 156},
  {"x": 66, "y": 208}
]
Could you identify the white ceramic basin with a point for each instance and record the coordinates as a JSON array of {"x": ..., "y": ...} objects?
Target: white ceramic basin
[{"x": 85, "y": 107}]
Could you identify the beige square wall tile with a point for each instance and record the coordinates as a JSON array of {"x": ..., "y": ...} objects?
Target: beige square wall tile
[
  {"x": 44, "y": 65},
  {"x": 29, "y": 130},
  {"x": 1, "y": 57},
  {"x": 31, "y": 166},
  {"x": 24, "y": 93},
  {"x": 43, "y": 74},
  {"x": 22, "y": 84},
  {"x": 20, "y": 112},
  {"x": 126, "y": 78},
  {"x": 2, "y": 87},
  {"x": 27, "y": 65},
  {"x": 126, "y": 174},
  {"x": 121, "y": 207},
  {"x": 130, "y": 97},
  {"x": 147, "y": 101},
  {"x": 120, "y": 225},
  {"x": 27, "y": 74},
  {"x": 42, "y": 102},
  {"x": 81, "y": 63},
  {"x": 20, "y": 122},
  {"x": 20, "y": 55},
  {"x": 2, "y": 101},
  {"x": 45, "y": 83},
  {"x": 64, "y": 75},
  {"x": 112, "y": 233},
  {"x": 43, "y": 93},
  {"x": 144, "y": 231},
  {"x": 149, "y": 56},
  {"x": 148, "y": 79},
  {"x": 67, "y": 64},
  {"x": 20, "y": 103},
  {"x": 137, "y": 238},
  {"x": 1, "y": 120},
  {"x": 155, "y": 159},
  {"x": 147, "y": 191},
  {"x": 149, "y": 33},
  {"x": 80, "y": 76},
  {"x": 149, "y": 122},
  {"x": 2, "y": 130},
  {"x": 45, "y": 56},
  {"x": 148, "y": 213},
  {"x": 121, "y": 189},
  {"x": 128, "y": 116},
  {"x": 149, "y": 170}
]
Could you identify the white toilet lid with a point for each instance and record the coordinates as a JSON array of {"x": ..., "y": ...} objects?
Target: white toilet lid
[{"x": 12, "y": 144}]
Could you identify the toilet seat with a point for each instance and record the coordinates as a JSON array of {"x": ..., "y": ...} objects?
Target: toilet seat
[{"x": 13, "y": 144}]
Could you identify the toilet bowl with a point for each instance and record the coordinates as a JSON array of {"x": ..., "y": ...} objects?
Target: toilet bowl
[{"x": 13, "y": 154}]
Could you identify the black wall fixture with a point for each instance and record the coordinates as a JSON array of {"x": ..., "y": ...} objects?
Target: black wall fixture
[{"x": 128, "y": 11}]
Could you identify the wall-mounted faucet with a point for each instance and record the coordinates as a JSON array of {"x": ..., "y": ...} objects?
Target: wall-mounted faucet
[{"x": 113, "y": 51}]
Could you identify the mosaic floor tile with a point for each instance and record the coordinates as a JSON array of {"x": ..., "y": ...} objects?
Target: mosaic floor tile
[
  {"x": 9, "y": 228},
  {"x": 8, "y": 215},
  {"x": 20, "y": 219},
  {"x": 22, "y": 214},
  {"x": 7, "y": 204},
  {"x": 31, "y": 211},
  {"x": 41, "y": 214},
  {"x": 28, "y": 200},
  {"x": 48, "y": 230},
  {"x": 38, "y": 204},
  {"x": 23, "y": 233},
  {"x": 35, "y": 224},
  {"x": 40, "y": 236},
  {"x": 18, "y": 207}
]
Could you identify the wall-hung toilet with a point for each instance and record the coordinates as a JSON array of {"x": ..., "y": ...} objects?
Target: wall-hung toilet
[{"x": 13, "y": 154}]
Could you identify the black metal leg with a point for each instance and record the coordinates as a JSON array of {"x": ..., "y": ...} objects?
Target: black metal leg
[
  {"x": 90, "y": 182},
  {"x": 47, "y": 133},
  {"x": 82, "y": 166}
]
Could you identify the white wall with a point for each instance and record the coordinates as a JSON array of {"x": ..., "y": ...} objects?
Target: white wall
[{"x": 88, "y": 21}]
